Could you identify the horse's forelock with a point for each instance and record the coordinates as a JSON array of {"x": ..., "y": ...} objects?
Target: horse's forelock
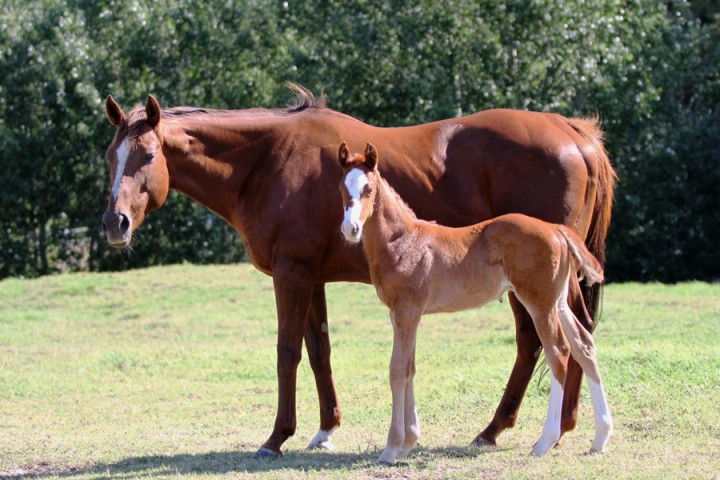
[{"x": 135, "y": 119}]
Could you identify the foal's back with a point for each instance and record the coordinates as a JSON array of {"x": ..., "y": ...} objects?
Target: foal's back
[{"x": 477, "y": 264}]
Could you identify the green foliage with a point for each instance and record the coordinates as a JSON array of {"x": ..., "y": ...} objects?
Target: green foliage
[{"x": 650, "y": 69}]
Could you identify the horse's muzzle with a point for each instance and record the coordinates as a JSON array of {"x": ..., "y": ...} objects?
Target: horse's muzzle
[{"x": 117, "y": 228}]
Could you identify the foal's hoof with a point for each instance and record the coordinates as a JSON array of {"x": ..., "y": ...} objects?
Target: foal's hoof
[
  {"x": 266, "y": 454},
  {"x": 388, "y": 459},
  {"x": 482, "y": 442}
]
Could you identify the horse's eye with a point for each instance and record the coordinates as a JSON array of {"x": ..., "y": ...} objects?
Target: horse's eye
[{"x": 149, "y": 157}]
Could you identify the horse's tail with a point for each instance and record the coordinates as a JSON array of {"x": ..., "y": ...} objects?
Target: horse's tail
[
  {"x": 588, "y": 266},
  {"x": 589, "y": 129}
]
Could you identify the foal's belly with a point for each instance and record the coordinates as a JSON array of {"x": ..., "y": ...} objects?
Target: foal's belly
[{"x": 455, "y": 299}]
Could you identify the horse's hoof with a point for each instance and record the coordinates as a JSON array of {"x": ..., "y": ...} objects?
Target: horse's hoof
[
  {"x": 322, "y": 440},
  {"x": 482, "y": 442},
  {"x": 386, "y": 464},
  {"x": 327, "y": 445},
  {"x": 266, "y": 454},
  {"x": 596, "y": 451}
]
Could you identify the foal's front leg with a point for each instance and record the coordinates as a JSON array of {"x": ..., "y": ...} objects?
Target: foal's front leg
[
  {"x": 412, "y": 422},
  {"x": 402, "y": 369}
]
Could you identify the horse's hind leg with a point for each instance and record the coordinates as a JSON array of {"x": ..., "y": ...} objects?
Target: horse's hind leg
[
  {"x": 582, "y": 348},
  {"x": 573, "y": 382},
  {"x": 317, "y": 343},
  {"x": 528, "y": 350}
]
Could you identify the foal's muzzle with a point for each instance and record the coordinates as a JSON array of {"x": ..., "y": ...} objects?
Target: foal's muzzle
[
  {"x": 117, "y": 228},
  {"x": 352, "y": 231}
]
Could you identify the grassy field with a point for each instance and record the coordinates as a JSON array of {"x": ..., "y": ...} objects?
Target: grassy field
[{"x": 170, "y": 372}]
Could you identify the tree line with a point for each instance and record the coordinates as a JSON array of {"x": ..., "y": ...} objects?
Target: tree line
[{"x": 649, "y": 69}]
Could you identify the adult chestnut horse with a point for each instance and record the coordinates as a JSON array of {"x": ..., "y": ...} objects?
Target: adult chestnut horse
[{"x": 272, "y": 174}]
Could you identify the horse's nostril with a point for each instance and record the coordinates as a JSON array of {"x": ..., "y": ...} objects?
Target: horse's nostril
[
  {"x": 124, "y": 222},
  {"x": 355, "y": 228}
]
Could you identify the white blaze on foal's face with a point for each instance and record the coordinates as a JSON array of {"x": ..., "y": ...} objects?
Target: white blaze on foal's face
[{"x": 356, "y": 182}]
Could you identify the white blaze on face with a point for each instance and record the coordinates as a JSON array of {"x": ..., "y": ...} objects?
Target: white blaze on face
[
  {"x": 355, "y": 182},
  {"x": 123, "y": 152}
]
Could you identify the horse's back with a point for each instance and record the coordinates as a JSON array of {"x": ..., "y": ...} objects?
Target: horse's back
[{"x": 460, "y": 171}]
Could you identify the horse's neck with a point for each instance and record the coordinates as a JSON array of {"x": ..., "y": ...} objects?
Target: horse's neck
[
  {"x": 210, "y": 158},
  {"x": 389, "y": 231}
]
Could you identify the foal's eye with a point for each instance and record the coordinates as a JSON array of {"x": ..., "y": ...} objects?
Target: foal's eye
[{"x": 149, "y": 157}]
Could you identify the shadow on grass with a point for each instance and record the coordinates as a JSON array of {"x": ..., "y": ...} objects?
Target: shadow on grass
[{"x": 241, "y": 462}]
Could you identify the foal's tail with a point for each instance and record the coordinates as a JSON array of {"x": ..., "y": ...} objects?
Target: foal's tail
[{"x": 589, "y": 266}]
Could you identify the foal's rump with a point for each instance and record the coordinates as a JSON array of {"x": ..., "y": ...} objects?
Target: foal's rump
[{"x": 536, "y": 255}]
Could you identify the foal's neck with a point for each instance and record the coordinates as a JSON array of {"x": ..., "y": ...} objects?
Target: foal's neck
[{"x": 391, "y": 225}]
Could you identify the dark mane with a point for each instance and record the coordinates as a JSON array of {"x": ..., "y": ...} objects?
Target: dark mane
[{"x": 304, "y": 99}]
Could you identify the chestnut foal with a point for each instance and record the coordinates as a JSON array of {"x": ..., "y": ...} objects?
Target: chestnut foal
[{"x": 420, "y": 267}]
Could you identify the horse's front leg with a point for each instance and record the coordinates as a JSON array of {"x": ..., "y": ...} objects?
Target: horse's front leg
[
  {"x": 528, "y": 351},
  {"x": 317, "y": 343},
  {"x": 293, "y": 281},
  {"x": 401, "y": 369}
]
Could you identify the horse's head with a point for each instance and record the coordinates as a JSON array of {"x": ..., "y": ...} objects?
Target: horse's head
[
  {"x": 138, "y": 170},
  {"x": 358, "y": 188}
]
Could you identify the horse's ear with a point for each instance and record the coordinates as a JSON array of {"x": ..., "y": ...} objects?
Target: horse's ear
[
  {"x": 371, "y": 156},
  {"x": 153, "y": 111},
  {"x": 113, "y": 111},
  {"x": 343, "y": 155}
]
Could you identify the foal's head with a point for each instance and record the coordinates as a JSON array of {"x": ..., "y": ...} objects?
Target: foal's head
[
  {"x": 138, "y": 170},
  {"x": 358, "y": 188}
]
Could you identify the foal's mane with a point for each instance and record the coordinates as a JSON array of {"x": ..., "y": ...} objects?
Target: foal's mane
[
  {"x": 395, "y": 197},
  {"x": 358, "y": 161},
  {"x": 304, "y": 99}
]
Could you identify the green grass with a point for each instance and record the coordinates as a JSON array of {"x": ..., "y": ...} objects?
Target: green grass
[{"x": 170, "y": 372}]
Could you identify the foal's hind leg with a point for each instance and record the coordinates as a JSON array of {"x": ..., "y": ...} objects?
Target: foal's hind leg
[
  {"x": 583, "y": 350},
  {"x": 557, "y": 353}
]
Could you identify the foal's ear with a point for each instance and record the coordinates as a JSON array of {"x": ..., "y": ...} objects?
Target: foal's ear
[
  {"x": 343, "y": 155},
  {"x": 371, "y": 156},
  {"x": 113, "y": 111},
  {"x": 153, "y": 111}
]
